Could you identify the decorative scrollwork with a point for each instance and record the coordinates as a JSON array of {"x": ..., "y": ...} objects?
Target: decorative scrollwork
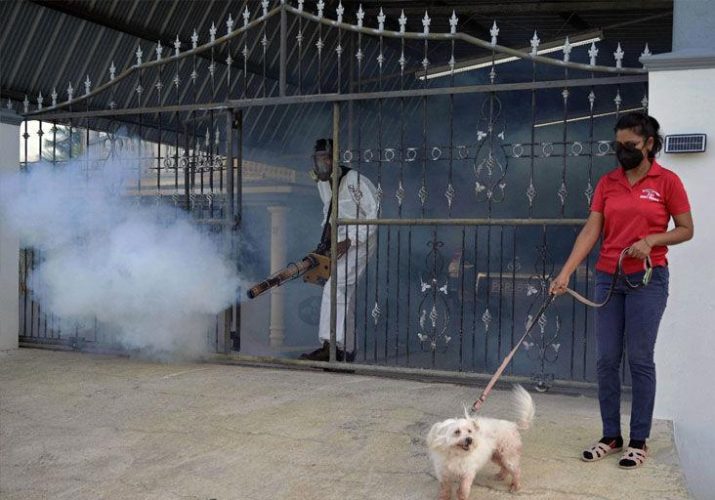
[
  {"x": 434, "y": 314},
  {"x": 491, "y": 163},
  {"x": 543, "y": 342}
]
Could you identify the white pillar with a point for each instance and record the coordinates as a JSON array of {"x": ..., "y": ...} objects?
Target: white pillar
[
  {"x": 681, "y": 98},
  {"x": 278, "y": 261},
  {"x": 9, "y": 243}
]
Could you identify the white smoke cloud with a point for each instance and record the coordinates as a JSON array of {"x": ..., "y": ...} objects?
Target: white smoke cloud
[{"x": 147, "y": 274}]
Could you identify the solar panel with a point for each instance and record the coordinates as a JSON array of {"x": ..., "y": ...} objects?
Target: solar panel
[{"x": 685, "y": 143}]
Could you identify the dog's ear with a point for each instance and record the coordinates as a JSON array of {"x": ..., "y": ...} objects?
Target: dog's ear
[
  {"x": 474, "y": 424},
  {"x": 436, "y": 432},
  {"x": 438, "y": 436}
]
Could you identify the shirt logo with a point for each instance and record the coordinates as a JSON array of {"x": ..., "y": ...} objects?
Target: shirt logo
[{"x": 650, "y": 194}]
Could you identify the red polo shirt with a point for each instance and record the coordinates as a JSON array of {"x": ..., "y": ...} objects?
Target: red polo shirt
[{"x": 631, "y": 213}]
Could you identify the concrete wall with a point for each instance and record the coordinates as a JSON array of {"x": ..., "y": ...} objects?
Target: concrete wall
[
  {"x": 9, "y": 244},
  {"x": 683, "y": 102},
  {"x": 691, "y": 28}
]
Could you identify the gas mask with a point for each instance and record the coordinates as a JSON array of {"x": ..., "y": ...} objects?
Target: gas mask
[
  {"x": 629, "y": 157},
  {"x": 322, "y": 165}
]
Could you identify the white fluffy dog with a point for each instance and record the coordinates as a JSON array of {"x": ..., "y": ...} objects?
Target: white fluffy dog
[{"x": 459, "y": 447}]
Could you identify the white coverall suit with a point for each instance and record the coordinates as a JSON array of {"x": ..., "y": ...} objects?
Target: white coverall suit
[{"x": 357, "y": 199}]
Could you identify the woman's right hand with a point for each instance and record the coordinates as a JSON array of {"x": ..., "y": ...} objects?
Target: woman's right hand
[{"x": 560, "y": 283}]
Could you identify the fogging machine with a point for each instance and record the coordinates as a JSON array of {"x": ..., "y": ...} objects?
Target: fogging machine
[{"x": 314, "y": 267}]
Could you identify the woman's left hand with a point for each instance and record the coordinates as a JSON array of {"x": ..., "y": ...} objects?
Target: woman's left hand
[{"x": 639, "y": 250}]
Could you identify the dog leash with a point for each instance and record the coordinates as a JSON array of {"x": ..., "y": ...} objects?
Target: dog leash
[{"x": 618, "y": 274}]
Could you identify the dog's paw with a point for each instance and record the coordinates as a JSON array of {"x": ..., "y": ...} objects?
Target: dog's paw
[{"x": 514, "y": 488}]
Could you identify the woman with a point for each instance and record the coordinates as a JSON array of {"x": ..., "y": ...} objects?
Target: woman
[{"x": 631, "y": 208}]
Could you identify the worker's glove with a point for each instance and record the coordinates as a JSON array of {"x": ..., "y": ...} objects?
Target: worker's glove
[{"x": 343, "y": 247}]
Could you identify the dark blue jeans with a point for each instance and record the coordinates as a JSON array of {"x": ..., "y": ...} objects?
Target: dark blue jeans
[{"x": 633, "y": 316}]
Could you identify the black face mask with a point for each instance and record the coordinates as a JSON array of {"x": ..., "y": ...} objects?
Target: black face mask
[{"x": 628, "y": 158}]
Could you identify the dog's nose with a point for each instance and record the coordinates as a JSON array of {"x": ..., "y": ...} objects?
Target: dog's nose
[{"x": 468, "y": 440}]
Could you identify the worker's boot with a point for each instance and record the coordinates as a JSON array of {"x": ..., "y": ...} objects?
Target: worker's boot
[{"x": 321, "y": 354}]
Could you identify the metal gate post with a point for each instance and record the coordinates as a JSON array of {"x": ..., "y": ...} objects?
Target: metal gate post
[
  {"x": 283, "y": 52},
  {"x": 238, "y": 214},
  {"x": 334, "y": 232},
  {"x": 232, "y": 217}
]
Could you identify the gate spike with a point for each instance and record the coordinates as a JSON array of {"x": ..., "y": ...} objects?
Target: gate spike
[
  {"x": 360, "y": 16},
  {"x": 567, "y": 50},
  {"x": 87, "y": 85},
  {"x": 39, "y": 101},
  {"x": 8, "y": 104},
  {"x": 264, "y": 6},
  {"x": 212, "y": 32},
  {"x": 177, "y": 46},
  {"x": 425, "y": 24},
  {"x": 300, "y": 5},
  {"x": 194, "y": 39},
  {"x": 54, "y": 97},
  {"x": 159, "y": 50},
  {"x": 646, "y": 52},
  {"x": 340, "y": 11},
  {"x": 139, "y": 55},
  {"x": 112, "y": 71},
  {"x": 321, "y": 6},
  {"x": 70, "y": 91},
  {"x": 381, "y": 21},
  {"x": 592, "y": 53},
  {"x": 494, "y": 32},
  {"x": 453, "y": 23},
  {"x": 618, "y": 55},
  {"x": 535, "y": 44},
  {"x": 229, "y": 24},
  {"x": 403, "y": 22},
  {"x": 26, "y": 105},
  {"x": 247, "y": 16}
]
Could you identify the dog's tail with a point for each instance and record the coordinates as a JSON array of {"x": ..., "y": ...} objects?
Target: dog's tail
[{"x": 525, "y": 408}]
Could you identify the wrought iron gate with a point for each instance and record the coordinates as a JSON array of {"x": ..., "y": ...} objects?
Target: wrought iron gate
[{"x": 482, "y": 177}]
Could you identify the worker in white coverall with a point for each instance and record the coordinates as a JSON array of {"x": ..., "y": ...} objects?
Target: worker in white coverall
[{"x": 357, "y": 199}]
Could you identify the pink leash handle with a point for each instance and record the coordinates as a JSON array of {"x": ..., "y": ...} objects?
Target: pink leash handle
[{"x": 483, "y": 397}]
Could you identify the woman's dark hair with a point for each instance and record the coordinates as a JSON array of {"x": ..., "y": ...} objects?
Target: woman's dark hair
[{"x": 644, "y": 125}]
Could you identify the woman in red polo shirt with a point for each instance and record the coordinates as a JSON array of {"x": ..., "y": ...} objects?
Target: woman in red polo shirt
[{"x": 631, "y": 208}]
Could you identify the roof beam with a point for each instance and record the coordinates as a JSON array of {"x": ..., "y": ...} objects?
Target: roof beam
[
  {"x": 505, "y": 6},
  {"x": 575, "y": 21}
]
